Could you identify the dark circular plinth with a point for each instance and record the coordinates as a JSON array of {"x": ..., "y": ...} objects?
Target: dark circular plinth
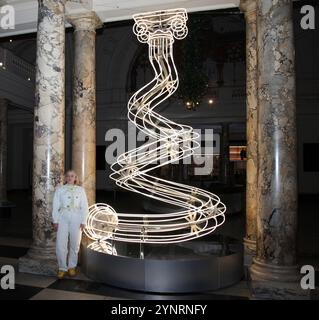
[{"x": 193, "y": 266}]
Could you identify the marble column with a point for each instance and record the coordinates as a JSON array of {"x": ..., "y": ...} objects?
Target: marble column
[
  {"x": 3, "y": 149},
  {"x": 274, "y": 272},
  {"x": 48, "y": 153},
  {"x": 224, "y": 174},
  {"x": 249, "y": 7},
  {"x": 84, "y": 101}
]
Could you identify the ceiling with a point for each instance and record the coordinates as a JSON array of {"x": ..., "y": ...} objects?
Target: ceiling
[{"x": 107, "y": 10}]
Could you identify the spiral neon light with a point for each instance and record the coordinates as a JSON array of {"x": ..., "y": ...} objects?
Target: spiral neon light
[{"x": 198, "y": 212}]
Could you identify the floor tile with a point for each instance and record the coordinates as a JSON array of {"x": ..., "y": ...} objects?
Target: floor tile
[
  {"x": 52, "y": 294},
  {"x": 314, "y": 294},
  {"x": 74, "y": 285},
  {"x": 9, "y": 261},
  {"x": 81, "y": 276},
  {"x": 20, "y": 292},
  {"x": 34, "y": 280},
  {"x": 108, "y": 291},
  {"x": 15, "y": 242},
  {"x": 240, "y": 289}
]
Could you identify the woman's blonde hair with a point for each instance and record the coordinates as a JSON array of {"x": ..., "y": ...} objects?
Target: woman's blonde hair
[{"x": 76, "y": 176}]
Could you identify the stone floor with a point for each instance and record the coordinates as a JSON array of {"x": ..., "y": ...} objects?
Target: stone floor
[
  {"x": 16, "y": 233},
  {"x": 35, "y": 287}
]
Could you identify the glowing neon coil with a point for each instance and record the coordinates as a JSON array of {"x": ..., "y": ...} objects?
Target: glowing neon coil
[{"x": 200, "y": 212}]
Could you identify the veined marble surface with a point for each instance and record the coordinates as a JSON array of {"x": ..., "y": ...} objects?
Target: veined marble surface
[
  {"x": 48, "y": 159},
  {"x": 250, "y": 9},
  {"x": 277, "y": 178},
  {"x": 84, "y": 101}
]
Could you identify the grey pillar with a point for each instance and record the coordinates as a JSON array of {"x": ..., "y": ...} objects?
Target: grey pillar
[{"x": 274, "y": 272}]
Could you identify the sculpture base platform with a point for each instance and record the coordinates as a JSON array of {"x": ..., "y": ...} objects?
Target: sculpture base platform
[{"x": 195, "y": 266}]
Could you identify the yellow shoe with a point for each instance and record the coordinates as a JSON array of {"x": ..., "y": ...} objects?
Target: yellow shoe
[
  {"x": 61, "y": 274},
  {"x": 72, "y": 272}
]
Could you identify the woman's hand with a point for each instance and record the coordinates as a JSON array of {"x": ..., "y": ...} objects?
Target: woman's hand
[
  {"x": 82, "y": 226},
  {"x": 55, "y": 226}
]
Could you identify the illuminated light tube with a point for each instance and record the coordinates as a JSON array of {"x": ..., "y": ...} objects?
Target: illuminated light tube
[
  {"x": 198, "y": 212},
  {"x": 103, "y": 246}
]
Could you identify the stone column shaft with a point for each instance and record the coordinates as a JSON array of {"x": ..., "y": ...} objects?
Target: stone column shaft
[
  {"x": 250, "y": 9},
  {"x": 48, "y": 155},
  {"x": 3, "y": 149},
  {"x": 84, "y": 101},
  {"x": 277, "y": 158}
]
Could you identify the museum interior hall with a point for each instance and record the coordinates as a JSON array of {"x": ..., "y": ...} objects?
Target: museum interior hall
[{"x": 202, "y": 182}]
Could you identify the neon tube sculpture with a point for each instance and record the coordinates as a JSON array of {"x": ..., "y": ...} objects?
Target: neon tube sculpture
[{"x": 199, "y": 212}]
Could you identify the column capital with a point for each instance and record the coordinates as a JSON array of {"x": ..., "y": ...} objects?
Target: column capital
[
  {"x": 85, "y": 21},
  {"x": 249, "y": 7}
]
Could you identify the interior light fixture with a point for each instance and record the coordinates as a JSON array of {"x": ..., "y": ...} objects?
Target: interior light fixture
[{"x": 198, "y": 212}]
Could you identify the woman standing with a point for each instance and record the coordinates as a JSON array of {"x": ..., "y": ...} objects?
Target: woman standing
[{"x": 70, "y": 210}]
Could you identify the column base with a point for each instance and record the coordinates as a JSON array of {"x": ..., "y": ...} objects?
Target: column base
[
  {"x": 249, "y": 255},
  {"x": 37, "y": 261},
  {"x": 249, "y": 251},
  {"x": 269, "y": 282}
]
